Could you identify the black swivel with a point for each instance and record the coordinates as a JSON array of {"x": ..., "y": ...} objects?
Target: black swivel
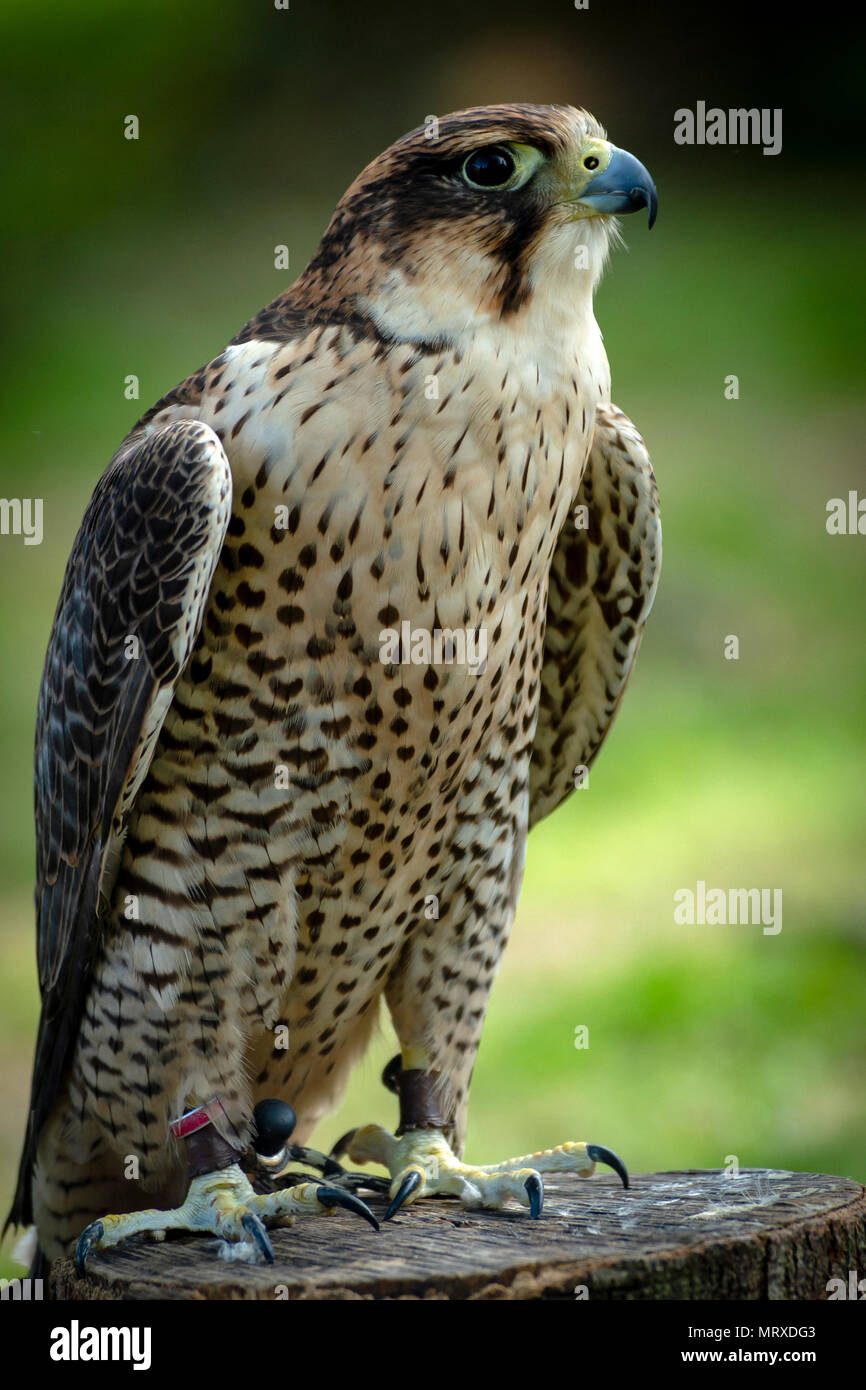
[{"x": 274, "y": 1121}]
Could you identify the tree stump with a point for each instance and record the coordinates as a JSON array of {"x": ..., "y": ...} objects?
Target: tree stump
[{"x": 767, "y": 1234}]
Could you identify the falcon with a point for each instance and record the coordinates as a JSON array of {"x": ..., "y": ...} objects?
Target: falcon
[{"x": 257, "y": 818}]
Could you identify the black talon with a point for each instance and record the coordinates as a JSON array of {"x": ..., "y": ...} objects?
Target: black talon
[
  {"x": 254, "y": 1226},
  {"x": 90, "y": 1236},
  {"x": 333, "y": 1197},
  {"x": 410, "y": 1184},
  {"x": 342, "y": 1145},
  {"x": 599, "y": 1154},
  {"x": 535, "y": 1191},
  {"x": 274, "y": 1120}
]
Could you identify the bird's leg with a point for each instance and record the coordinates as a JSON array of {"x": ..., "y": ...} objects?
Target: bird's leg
[
  {"x": 220, "y": 1200},
  {"x": 422, "y": 1163}
]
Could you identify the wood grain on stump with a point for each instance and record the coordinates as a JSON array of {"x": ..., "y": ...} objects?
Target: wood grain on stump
[{"x": 767, "y": 1234}]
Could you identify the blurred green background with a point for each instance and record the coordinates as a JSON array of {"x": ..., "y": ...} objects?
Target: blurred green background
[{"x": 145, "y": 257}]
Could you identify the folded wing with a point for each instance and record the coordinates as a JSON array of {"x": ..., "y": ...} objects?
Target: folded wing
[
  {"x": 132, "y": 604},
  {"x": 602, "y": 584}
]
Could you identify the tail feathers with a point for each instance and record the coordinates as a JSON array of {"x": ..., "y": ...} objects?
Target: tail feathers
[
  {"x": 26, "y": 1251},
  {"x": 26, "y": 1247}
]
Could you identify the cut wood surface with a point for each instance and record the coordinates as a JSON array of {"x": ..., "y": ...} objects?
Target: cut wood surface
[{"x": 767, "y": 1234}]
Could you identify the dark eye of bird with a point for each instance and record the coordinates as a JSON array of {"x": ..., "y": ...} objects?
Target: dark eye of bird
[
  {"x": 489, "y": 168},
  {"x": 590, "y": 162}
]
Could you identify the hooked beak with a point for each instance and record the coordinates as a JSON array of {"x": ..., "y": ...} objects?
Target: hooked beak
[{"x": 624, "y": 186}]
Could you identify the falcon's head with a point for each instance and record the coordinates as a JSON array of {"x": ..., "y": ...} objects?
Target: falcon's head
[{"x": 475, "y": 217}]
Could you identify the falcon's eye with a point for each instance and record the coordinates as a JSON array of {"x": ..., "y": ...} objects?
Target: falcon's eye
[{"x": 489, "y": 168}]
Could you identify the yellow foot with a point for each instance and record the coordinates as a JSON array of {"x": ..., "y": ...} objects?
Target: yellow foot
[
  {"x": 225, "y": 1204},
  {"x": 422, "y": 1164}
]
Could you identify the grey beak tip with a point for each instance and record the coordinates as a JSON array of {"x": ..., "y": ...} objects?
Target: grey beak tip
[{"x": 650, "y": 198}]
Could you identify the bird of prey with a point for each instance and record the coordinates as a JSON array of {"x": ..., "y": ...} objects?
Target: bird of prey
[{"x": 257, "y": 818}]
